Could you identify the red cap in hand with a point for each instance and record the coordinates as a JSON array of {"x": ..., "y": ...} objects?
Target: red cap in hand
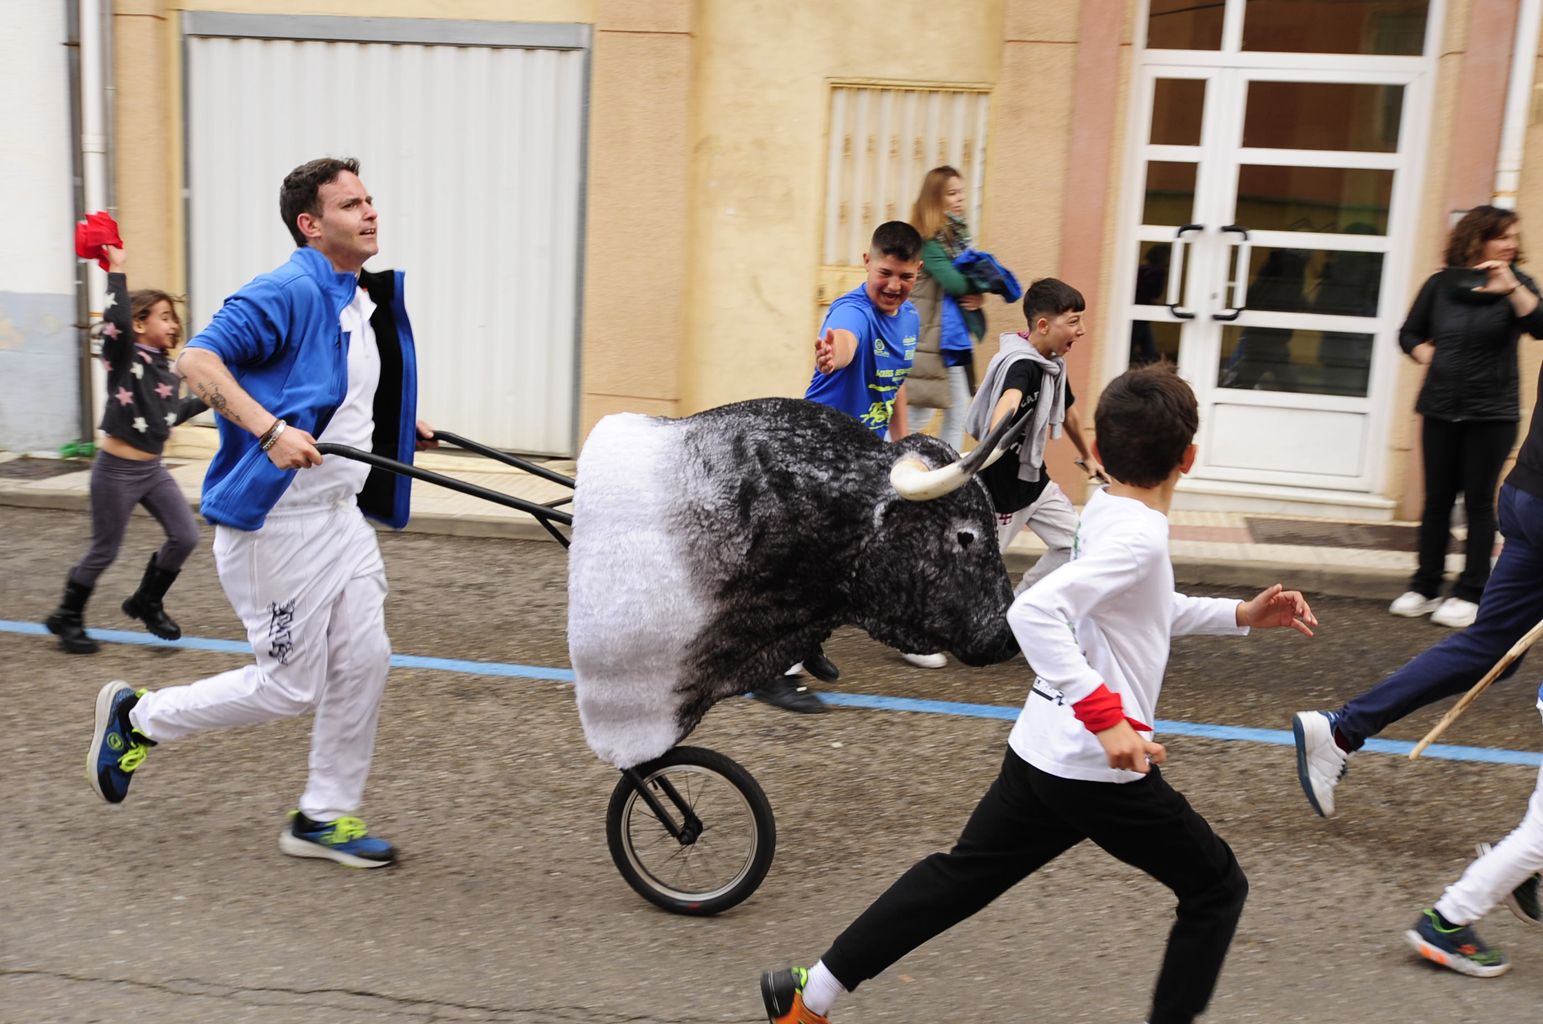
[{"x": 97, "y": 230}]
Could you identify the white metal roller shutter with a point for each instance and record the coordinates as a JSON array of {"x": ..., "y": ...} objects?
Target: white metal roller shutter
[{"x": 475, "y": 157}]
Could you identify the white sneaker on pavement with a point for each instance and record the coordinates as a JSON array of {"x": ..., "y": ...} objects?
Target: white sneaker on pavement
[
  {"x": 1320, "y": 761},
  {"x": 1455, "y": 612},
  {"x": 1411, "y": 604},
  {"x": 926, "y": 660}
]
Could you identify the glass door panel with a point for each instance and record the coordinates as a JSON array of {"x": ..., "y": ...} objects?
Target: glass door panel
[
  {"x": 1178, "y": 111},
  {"x": 1184, "y": 25},
  {"x": 1170, "y": 193},
  {"x": 1325, "y": 281},
  {"x": 1392, "y": 27},
  {"x": 1340, "y": 116},
  {"x": 1306, "y": 362},
  {"x": 1350, "y": 200},
  {"x": 1153, "y": 341}
]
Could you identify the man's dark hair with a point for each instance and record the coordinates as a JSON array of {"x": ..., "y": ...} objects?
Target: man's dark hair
[
  {"x": 1146, "y": 418},
  {"x": 898, "y": 239},
  {"x": 299, "y": 193},
  {"x": 1050, "y": 297}
]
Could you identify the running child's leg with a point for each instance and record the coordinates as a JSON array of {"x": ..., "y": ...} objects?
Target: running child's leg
[
  {"x": 1053, "y": 519},
  {"x": 1149, "y": 825},
  {"x": 165, "y": 502},
  {"x": 1492, "y": 876},
  {"x": 1010, "y": 834},
  {"x": 116, "y": 487}
]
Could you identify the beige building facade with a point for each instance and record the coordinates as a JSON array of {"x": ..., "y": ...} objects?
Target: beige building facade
[{"x": 736, "y": 152}]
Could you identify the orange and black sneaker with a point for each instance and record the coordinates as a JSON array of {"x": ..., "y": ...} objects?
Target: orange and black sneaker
[{"x": 783, "y": 993}]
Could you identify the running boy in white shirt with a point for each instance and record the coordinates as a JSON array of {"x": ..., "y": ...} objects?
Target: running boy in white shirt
[{"x": 1081, "y": 762}]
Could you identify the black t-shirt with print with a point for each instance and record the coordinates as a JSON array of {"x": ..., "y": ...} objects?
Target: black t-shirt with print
[{"x": 1008, "y": 493}]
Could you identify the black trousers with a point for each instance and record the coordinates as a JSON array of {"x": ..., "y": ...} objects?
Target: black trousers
[
  {"x": 1464, "y": 456},
  {"x": 1028, "y": 818}
]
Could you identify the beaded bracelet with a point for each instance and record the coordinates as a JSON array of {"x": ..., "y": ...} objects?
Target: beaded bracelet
[{"x": 268, "y": 439}]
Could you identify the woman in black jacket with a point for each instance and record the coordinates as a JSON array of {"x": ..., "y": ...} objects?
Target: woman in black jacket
[{"x": 1465, "y": 331}]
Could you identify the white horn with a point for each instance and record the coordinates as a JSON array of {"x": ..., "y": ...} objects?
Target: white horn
[{"x": 914, "y": 480}]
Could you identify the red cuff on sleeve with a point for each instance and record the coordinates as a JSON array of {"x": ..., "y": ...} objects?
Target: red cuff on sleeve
[{"x": 1102, "y": 709}]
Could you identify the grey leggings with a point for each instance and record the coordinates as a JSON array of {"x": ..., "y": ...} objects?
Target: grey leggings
[{"x": 117, "y": 485}]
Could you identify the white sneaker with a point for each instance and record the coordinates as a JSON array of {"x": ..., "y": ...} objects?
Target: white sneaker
[
  {"x": 1411, "y": 604},
  {"x": 1320, "y": 762},
  {"x": 926, "y": 660},
  {"x": 1455, "y": 612}
]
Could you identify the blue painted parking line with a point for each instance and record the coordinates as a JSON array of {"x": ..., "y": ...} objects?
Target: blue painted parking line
[{"x": 956, "y": 709}]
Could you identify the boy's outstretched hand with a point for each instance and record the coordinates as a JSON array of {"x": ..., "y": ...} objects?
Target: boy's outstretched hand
[
  {"x": 1125, "y": 748},
  {"x": 825, "y": 352},
  {"x": 1277, "y": 607}
]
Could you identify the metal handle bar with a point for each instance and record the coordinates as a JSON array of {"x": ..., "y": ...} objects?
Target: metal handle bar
[
  {"x": 1176, "y": 271},
  {"x": 1240, "y": 280},
  {"x": 543, "y": 514},
  {"x": 509, "y": 460}
]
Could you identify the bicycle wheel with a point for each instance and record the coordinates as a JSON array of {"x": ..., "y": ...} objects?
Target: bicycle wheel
[{"x": 702, "y": 838}]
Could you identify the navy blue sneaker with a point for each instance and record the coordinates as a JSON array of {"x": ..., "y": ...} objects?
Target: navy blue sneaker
[
  {"x": 1458, "y": 947},
  {"x": 117, "y": 748},
  {"x": 345, "y": 840}
]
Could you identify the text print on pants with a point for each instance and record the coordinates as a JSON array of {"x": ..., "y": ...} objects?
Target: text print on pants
[{"x": 280, "y": 639}]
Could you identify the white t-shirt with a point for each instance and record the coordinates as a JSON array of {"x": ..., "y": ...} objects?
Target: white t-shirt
[
  {"x": 339, "y": 479},
  {"x": 1105, "y": 617}
]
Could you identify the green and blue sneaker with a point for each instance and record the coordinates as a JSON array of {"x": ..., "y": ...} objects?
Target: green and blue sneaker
[
  {"x": 1456, "y": 946},
  {"x": 345, "y": 840},
  {"x": 117, "y": 748}
]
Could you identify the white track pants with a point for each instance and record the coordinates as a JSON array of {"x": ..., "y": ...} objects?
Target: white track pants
[
  {"x": 1053, "y": 519},
  {"x": 310, "y": 588},
  {"x": 1489, "y": 878}
]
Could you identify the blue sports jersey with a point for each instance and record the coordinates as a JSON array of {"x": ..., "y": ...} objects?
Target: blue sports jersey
[{"x": 866, "y": 387}]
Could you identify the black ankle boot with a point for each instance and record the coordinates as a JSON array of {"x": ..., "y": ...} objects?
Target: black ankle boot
[
  {"x": 145, "y": 604},
  {"x": 68, "y": 620}
]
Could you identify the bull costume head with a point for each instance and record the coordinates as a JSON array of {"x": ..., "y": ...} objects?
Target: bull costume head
[{"x": 711, "y": 552}]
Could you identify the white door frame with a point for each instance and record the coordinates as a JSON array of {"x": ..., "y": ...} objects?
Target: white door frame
[{"x": 1208, "y": 257}]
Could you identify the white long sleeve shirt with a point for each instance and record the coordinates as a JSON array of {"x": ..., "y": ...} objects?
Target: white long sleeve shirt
[{"x": 1106, "y": 617}]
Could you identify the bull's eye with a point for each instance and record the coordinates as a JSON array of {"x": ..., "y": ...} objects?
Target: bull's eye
[{"x": 966, "y": 538}]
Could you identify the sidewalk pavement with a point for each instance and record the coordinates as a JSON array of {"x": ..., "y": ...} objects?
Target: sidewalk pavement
[{"x": 1233, "y": 549}]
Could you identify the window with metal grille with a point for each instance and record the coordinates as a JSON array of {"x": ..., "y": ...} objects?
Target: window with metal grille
[{"x": 883, "y": 140}]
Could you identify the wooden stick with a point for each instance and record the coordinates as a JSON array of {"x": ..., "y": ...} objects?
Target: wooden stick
[{"x": 1516, "y": 651}]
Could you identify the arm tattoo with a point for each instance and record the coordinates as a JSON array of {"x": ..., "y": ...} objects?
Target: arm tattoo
[{"x": 210, "y": 393}]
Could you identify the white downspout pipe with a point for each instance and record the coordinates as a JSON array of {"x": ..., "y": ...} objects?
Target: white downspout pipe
[
  {"x": 93, "y": 154},
  {"x": 1518, "y": 104}
]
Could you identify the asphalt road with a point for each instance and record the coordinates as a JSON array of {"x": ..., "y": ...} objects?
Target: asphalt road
[{"x": 176, "y": 906}]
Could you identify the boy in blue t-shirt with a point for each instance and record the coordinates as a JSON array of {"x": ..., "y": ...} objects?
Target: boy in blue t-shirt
[
  {"x": 861, "y": 359},
  {"x": 868, "y": 339}
]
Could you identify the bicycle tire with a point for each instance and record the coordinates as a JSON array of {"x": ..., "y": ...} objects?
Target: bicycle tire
[{"x": 740, "y": 820}]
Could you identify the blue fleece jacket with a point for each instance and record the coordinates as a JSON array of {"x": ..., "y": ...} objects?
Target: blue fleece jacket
[{"x": 280, "y": 338}]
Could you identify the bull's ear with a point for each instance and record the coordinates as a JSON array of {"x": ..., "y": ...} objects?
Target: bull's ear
[{"x": 886, "y": 510}]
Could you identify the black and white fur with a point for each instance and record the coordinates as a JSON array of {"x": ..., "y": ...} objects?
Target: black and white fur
[{"x": 711, "y": 552}]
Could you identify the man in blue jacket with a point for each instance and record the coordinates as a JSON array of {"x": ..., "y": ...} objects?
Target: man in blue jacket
[{"x": 318, "y": 348}]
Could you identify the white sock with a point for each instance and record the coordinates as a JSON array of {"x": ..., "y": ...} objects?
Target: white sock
[{"x": 822, "y": 989}]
